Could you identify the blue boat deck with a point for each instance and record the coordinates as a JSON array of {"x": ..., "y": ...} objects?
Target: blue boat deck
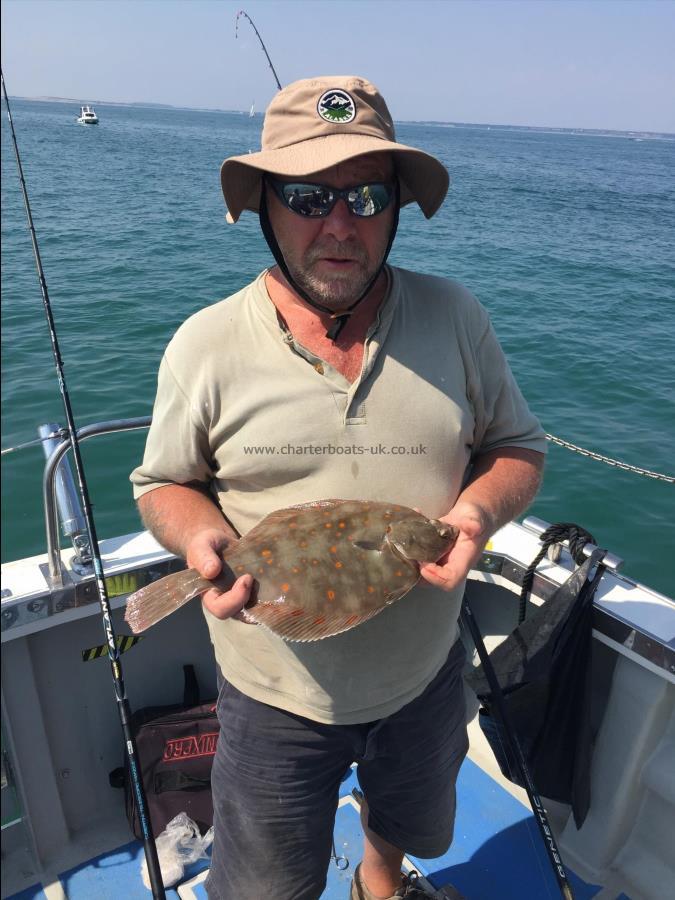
[{"x": 496, "y": 853}]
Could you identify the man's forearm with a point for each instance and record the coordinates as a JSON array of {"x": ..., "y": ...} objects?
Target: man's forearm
[
  {"x": 503, "y": 483},
  {"x": 175, "y": 513}
]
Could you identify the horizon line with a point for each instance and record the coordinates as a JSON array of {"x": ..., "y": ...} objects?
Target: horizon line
[{"x": 150, "y": 104}]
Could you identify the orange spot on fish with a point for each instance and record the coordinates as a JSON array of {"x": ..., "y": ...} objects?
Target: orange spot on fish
[
  {"x": 315, "y": 562},
  {"x": 269, "y": 561},
  {"x": 333, "y": 549},
  {"x": 330, "y": 595},
  {"x": 399, "y": 573},
  {"x": 285, "y": 587},
  {"x": 240, "y": 568},
  {"x": 296, "y": 569},
  {"x": 292, "y": 524},
  {"x": 338, "y": 565},
  {"x": 341, "y": 524},
  {"x": 371, "y": 589},
  {"x": 328, "y": 525},
  {"x": 303, "y": 543},
  {"x": 266, "y": 553}
]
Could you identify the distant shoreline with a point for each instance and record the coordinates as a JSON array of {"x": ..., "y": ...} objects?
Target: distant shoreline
[{"x": 486, "y": 126}]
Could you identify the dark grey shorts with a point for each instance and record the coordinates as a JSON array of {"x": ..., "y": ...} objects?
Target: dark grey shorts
[{"x": 276, "y": 778}]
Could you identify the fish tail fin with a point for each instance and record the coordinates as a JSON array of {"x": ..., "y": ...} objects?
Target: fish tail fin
[{"x": 155, "y": 601}]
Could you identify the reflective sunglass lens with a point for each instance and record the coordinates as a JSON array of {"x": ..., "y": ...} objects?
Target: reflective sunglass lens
[
  {"x": 308, "y": 199},
  {"x": 369, "y": 199},
  {"x": 316, "y": 200}
]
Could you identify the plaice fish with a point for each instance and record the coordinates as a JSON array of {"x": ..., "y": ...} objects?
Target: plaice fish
[{"x": 320, "y": 568}]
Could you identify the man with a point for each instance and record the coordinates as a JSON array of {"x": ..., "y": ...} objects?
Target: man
[{"x": 335, "y": 376}]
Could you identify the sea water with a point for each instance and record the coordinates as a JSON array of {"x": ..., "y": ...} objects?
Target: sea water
[{"x": 567, "y": 239}]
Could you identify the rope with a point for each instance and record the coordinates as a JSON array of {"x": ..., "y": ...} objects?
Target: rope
[
  {"x": 670, "y": 479},
  {"x": 555, "y": 534}
]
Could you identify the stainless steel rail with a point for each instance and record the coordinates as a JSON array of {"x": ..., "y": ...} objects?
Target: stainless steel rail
[{"x": 49, "y": 485}]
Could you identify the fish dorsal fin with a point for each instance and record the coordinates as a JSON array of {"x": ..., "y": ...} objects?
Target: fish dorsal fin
[{"x": 296, "y": 624}]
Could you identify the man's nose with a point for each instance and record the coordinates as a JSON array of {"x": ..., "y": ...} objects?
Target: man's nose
[{"x": 339, "y": 223}]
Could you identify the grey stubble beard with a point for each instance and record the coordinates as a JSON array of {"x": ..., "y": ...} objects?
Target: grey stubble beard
[{"x": 339, "y": 292}]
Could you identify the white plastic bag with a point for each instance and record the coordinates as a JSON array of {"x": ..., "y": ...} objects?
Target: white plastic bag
[{"x": 178, "y": 846}]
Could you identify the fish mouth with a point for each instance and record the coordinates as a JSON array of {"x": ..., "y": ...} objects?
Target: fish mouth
[{"x": 444, "y": 530}]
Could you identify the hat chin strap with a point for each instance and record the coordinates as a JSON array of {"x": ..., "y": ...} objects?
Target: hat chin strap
[{"x": 339, "y": 319}]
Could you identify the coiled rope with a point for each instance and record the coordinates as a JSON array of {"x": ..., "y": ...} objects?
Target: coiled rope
[
  {"x": 564, "y": 531},
  {"x": 670, "y": 479}
]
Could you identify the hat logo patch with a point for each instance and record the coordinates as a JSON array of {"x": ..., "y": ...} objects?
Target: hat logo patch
[{"x": 336, "y": 106}]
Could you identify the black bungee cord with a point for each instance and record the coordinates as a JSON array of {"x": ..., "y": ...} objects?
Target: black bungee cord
[{"x": 123, "y": 707}]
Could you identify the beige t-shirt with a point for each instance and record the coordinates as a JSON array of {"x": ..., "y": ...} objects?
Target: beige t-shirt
[{"x": 242, "y": 406}]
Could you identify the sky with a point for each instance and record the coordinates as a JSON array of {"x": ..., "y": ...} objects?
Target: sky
[{"x": 605, "y": 64}]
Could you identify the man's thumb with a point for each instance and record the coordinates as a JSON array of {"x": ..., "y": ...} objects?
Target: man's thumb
[
  {"x": 471, "y": 526},
  {"x": 209, "y": 566}
]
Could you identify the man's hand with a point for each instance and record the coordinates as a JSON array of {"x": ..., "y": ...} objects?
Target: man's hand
[
  {"x": 503, "y": 483},
  {"x": 185, "y": 519},
  {"x": 475, "y": 528},
  {"x": 203, "y": 553}
]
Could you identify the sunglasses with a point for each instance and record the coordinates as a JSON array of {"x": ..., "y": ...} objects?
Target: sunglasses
[{"x": 315, "y": 201}]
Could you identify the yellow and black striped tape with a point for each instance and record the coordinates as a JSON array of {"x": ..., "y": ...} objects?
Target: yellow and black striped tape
[{"x": 123, "y": 642}]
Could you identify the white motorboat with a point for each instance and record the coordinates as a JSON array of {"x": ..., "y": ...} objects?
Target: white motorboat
[{"x": 87, "y": 116}]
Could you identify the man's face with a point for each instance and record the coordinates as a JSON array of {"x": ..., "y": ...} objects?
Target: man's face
[{"x": 333, "y": 258}]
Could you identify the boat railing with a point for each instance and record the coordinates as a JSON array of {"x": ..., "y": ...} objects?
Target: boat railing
[{"x": 62, "y": 502}]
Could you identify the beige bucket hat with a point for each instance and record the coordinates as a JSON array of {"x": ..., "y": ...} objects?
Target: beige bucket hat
[{"x": 317, "y": 123}]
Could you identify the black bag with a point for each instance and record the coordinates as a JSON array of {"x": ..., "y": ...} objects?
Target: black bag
[
  {"x": 175, "y": 747},
  {"x": 543, "y": 669}
]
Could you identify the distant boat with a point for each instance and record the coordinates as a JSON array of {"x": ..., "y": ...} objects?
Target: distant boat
[
  {"x": 87, "y": 116},
  {"x": 252, "y": 111}
]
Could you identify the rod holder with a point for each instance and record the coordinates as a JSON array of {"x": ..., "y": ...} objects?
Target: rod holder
[{"x": 68, "y": 503}]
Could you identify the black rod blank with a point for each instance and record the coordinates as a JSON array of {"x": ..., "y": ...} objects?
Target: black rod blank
[
  {"x": 123, "y": 707},
  {"x": 236, "y": 24},
  {"x": 501, "y": 712}
]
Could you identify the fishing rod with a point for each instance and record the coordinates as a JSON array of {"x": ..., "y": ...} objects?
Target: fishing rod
[
  {"x": 236, "y": 25},
  {"x": 123, "y": 707},
  {"x": 504, "y": 719}
]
